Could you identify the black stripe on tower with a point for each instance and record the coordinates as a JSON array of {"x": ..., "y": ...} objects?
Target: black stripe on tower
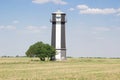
[
  {"x": 63, "y": 40},
  {"x": 63, "y": 18},
  {"x": 53, "y": 41},
  {"x": 63, "y": 46},
  {"x": 53, "y": 18}
]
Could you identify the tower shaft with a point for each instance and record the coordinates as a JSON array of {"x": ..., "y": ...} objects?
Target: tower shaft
[{"x": 58, "y": 39}]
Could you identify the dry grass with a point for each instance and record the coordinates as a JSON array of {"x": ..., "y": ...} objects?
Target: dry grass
[{"x": 72, "y": 69}]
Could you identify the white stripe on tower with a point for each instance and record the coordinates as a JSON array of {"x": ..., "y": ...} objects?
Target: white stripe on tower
[
  {"x": 58, "y": 36},
  {"x": 58, "y": 32}
]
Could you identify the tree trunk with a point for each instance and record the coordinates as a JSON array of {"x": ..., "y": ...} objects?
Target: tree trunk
[
  {"x": 42, "y": 59},
  {"x": 52, "y": 58}
]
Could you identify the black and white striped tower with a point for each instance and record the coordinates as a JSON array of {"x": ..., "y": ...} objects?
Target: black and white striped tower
[{"x": 58, "y": 34}]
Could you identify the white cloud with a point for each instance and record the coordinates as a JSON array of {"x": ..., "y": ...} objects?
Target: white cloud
[
  {"x": 8, "y": 27},
  {"x": 35, "y": 29},
  {"x": 102, "y": 29},
  {"x": 98, "y": 11},
  {"x": 84, "y": 9},
  {"x": 118, "y": 12},
  {"x": 100, "y": 38},
  {"x": 116, "y": 28},
  {"x": 47, "y": 1},
  {"x": 1, "y": 27},
  {"x": 71, "y": 9},
  {"x": 99, "y": 30},
  {"x": 41, "y": 1},
  {"x": 15, "y": 22}
]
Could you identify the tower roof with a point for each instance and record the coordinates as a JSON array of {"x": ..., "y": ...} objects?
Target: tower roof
[{"x": 58, "y": 12}]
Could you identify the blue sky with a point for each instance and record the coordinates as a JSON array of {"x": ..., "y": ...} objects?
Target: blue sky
[{"x": 92, "y": 29}]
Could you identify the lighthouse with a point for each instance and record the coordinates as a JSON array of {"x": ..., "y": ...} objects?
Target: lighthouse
[{"x": 58, "y": 38}]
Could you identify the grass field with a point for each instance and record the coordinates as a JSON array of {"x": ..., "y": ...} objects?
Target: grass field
[{"x": 72, "y": 69}]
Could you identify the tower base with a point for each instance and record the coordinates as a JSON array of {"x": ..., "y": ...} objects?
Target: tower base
[{"x": 60, "y": 54}]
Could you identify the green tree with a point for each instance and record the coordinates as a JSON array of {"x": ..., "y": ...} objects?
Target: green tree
[{"x": 41, "y": 50}]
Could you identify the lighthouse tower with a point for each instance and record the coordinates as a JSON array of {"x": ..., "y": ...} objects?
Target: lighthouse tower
[{"x": 58, "y": 40}]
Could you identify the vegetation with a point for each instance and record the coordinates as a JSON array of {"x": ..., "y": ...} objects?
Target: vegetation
[
  {"x": 72, "y": 69},
  {"x": 41, "y": 50}
]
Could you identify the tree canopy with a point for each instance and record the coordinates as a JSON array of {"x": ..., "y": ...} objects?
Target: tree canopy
[{"x": 41, "y": 50}]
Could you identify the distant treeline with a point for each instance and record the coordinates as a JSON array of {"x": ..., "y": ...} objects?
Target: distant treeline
[
  {"x": 68, "y": 57},
  {"x": 96, "y": 57},
  {"x": 11, "y": 56},
  {"x": 102, "y": 57}
]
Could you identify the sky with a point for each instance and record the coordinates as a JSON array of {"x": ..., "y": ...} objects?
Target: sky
[{"x": 92, "y": 28}]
